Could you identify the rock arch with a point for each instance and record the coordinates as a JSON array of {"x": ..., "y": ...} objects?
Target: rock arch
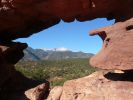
[{"x": 22, "y": 18}]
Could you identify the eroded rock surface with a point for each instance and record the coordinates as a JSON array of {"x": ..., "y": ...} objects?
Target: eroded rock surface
[
  {"x": 117, "y": 50},
  {"x": 97, "y": 87}
]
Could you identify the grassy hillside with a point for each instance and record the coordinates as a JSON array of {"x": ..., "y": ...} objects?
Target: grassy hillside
[{"x": 56, "y": 71}]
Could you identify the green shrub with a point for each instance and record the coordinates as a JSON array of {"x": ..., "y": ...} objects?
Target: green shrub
[{"x": 56, "y": 71}]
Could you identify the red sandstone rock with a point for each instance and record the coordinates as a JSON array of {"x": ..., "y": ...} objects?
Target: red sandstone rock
[
  {"x": 97, "y": 87},
  {"x": 55, "y": 93},
  {"x": 21, "y": 18},
  {"x": 117, "y": 50},
  {"x": 38, "y": 92}
]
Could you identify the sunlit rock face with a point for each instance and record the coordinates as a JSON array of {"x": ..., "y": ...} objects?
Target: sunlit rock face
[
  {"x": 21, "y": 18},
  {"x": 38, "y": 93},
  {"x": 98, "y": 86},
  {"x": 117, "y": 50},
  {"x": 55, "y": 93}
]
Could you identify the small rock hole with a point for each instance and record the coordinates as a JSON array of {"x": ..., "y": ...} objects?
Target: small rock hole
[
  {"x": 107, "y": 41},
  {"x": 130, "y": 27}
]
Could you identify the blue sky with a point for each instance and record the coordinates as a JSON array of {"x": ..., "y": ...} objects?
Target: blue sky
[{"x": 74, "y": 36}]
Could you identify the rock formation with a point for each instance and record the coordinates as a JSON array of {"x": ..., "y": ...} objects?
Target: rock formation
[
  {"x": 38, "y": 92},
  {"x": 13, "y": 83},
  {"x": 97, "y": 87},
  {"x": 117, "y": 50},
  {"x": 22, "y": 18}
]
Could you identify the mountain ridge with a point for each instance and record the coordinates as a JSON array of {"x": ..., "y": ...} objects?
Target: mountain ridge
[{"x": 52, "y": 54}]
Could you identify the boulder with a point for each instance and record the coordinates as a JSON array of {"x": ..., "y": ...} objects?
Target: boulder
[{"x": 38, "y": 93}]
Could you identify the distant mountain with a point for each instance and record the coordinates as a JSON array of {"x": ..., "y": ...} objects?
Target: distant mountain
[
  {"x": 57, "y": 49},
  {"x": 52, "y": 54}
]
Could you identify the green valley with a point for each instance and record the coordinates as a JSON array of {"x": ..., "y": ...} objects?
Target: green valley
[{"x": 55, "y": 71}]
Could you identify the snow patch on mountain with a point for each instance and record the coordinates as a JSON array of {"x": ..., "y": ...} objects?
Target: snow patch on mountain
[{"x": 62, "y": 49}]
